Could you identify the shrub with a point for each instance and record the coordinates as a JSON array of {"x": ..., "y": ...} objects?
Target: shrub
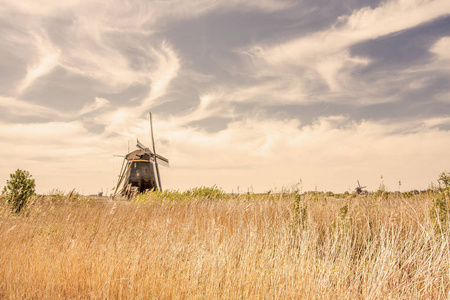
[
  {"x": 440, "y": 210},
  {"x": 18, "y": 189},
  {"x": 213, "y": 192},
  {"x": 299, "y": 213},
  {"x": 444, "y": 180},
  {"x": 199, "y": 193},
  {"x": 57, "y": 195}
]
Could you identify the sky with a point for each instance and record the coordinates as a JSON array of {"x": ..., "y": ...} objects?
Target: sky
[{"x": 246, "y": 95}]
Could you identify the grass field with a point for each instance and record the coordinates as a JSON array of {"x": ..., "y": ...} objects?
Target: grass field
[{"x": 207, "y": 246}]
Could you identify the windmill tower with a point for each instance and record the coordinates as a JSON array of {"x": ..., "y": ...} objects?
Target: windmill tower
[
  {"x": 359, "y": 189},
  {"x": 140, "y": 169}
]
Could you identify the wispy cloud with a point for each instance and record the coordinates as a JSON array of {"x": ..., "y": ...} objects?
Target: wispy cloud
[
  {"x": 364, "y": 24},
  {"x": 324, "y": 56},
  {"x": 167, "y": 67},
  {"x": 99, "y": 103},
  {"x": 47, "y": 58},
  {"x": 442, "y": 50},
  {"x": 85, "y": 73},
  {"x": 280, "y": 152},
  {"x": 17, "y": 107}
]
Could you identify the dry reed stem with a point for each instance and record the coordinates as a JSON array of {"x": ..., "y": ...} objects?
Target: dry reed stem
[{"x": 241, "y": 247}]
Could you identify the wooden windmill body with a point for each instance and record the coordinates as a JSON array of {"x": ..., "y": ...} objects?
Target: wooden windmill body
[{"x": 139, "y": 172}]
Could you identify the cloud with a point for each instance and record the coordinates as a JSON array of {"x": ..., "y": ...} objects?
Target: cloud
[
  {"x": 22, "y": 108},
  {"x": 435, "y": 122},
  {"x": 268, "y": 152},
  {"x": 363, "y": 24},
  {"x": 45, "y": 7},
  {"x": 442, "y": 49},
  {"x": 51, "y": 132},
  {"x": 167, "y": 68},
  {"x": 257, "y": 152},
  {"x": 48, "y": 58},
  {"x": 99, "y": 103},
  {"x": 123, "y": 121},
  {"x": 324, "y": 56},
  {"x": 444, "y": 97},
  {"x": 96, "y": 60},
  {"x": 144, "y": 12},
  {"x": 88, "y": 56},
  {"x": 174, "y": 10},
  {"x": 62, "y": 155}
]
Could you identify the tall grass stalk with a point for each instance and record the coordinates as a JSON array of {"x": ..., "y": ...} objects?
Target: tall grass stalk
[{"x": 240, "y": 246}]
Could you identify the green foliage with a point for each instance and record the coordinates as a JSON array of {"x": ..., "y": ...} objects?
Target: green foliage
[
  {"x": 199, "y": 193},
  {"x": 157, "y": 196},
  {"x": 444, "y": 180},
  {"x": 408, "y": 194},
  {"x": 440, "y": 210},
  {"x": 56, "y": 195},
  {"x": 2, "y": 199},
  {"x": 343, "y": 222},
  {"x": 343, "y": 212},
  {"x": 299, "y": 213},
  {"x": 205, "y": 192},
  {"x": 18, "y": 189},
  {"x": 382, "y": 191}
]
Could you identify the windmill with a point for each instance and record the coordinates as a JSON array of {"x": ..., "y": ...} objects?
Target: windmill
[
  {"x": 359, "y": 188},
  {"x": 140, "y": 169}
]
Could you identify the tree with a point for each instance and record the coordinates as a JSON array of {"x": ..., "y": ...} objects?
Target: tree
[
  {"x": 18, "y": 189},
  {"x": 444, "y": 180}
]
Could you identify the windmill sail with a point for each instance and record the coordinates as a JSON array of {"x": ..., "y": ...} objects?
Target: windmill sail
[
  {"x": 140, "y": 171},
  {"x": 161, "y": 159},
  {"x": 154, "y": 151},
  {"x": 144, "y": 148}
]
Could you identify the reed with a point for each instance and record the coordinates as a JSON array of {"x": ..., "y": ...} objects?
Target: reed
[{"x": 241, "y": 246}]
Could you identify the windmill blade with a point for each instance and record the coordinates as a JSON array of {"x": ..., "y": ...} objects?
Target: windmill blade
[
  {"x": 154, "y": 151},
  {"x": 358, "y": 183},
  {"x": 123, "y": 174},
  {"x": 163, "y": 163},
  {"x": 144, "y": 148},
  {"x": 119, "y": 181},
  {"x": 162, "y": 158}
]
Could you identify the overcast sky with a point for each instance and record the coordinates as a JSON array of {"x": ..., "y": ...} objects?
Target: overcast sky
[{"x": 244, "y": 94}]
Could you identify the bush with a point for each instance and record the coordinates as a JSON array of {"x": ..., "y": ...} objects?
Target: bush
[
  {"x": 444, "y": 180},
  {"x": 199, "y": 193},
  {"x": 203, "y": 192},
  {"x": 299, "y": 213},
  {"x": 440, "y": 210},
  {"x": 57, "y": 195},
  {"x": 18, "y": 189}
]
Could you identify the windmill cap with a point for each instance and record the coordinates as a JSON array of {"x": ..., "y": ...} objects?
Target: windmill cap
[{"x": 137, "y": 154}]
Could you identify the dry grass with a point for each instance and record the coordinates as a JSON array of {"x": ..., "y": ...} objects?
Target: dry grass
[{"x": 273, "y": 246}]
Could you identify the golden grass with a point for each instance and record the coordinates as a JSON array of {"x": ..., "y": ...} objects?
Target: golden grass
[{"x": 262, "y": 247}]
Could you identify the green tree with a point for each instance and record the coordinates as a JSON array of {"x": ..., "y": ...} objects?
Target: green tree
[
  {"x": 444, "y": 180},
  {"x": 440, "y": 211},
  {"x": 18, "y": 189}
]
